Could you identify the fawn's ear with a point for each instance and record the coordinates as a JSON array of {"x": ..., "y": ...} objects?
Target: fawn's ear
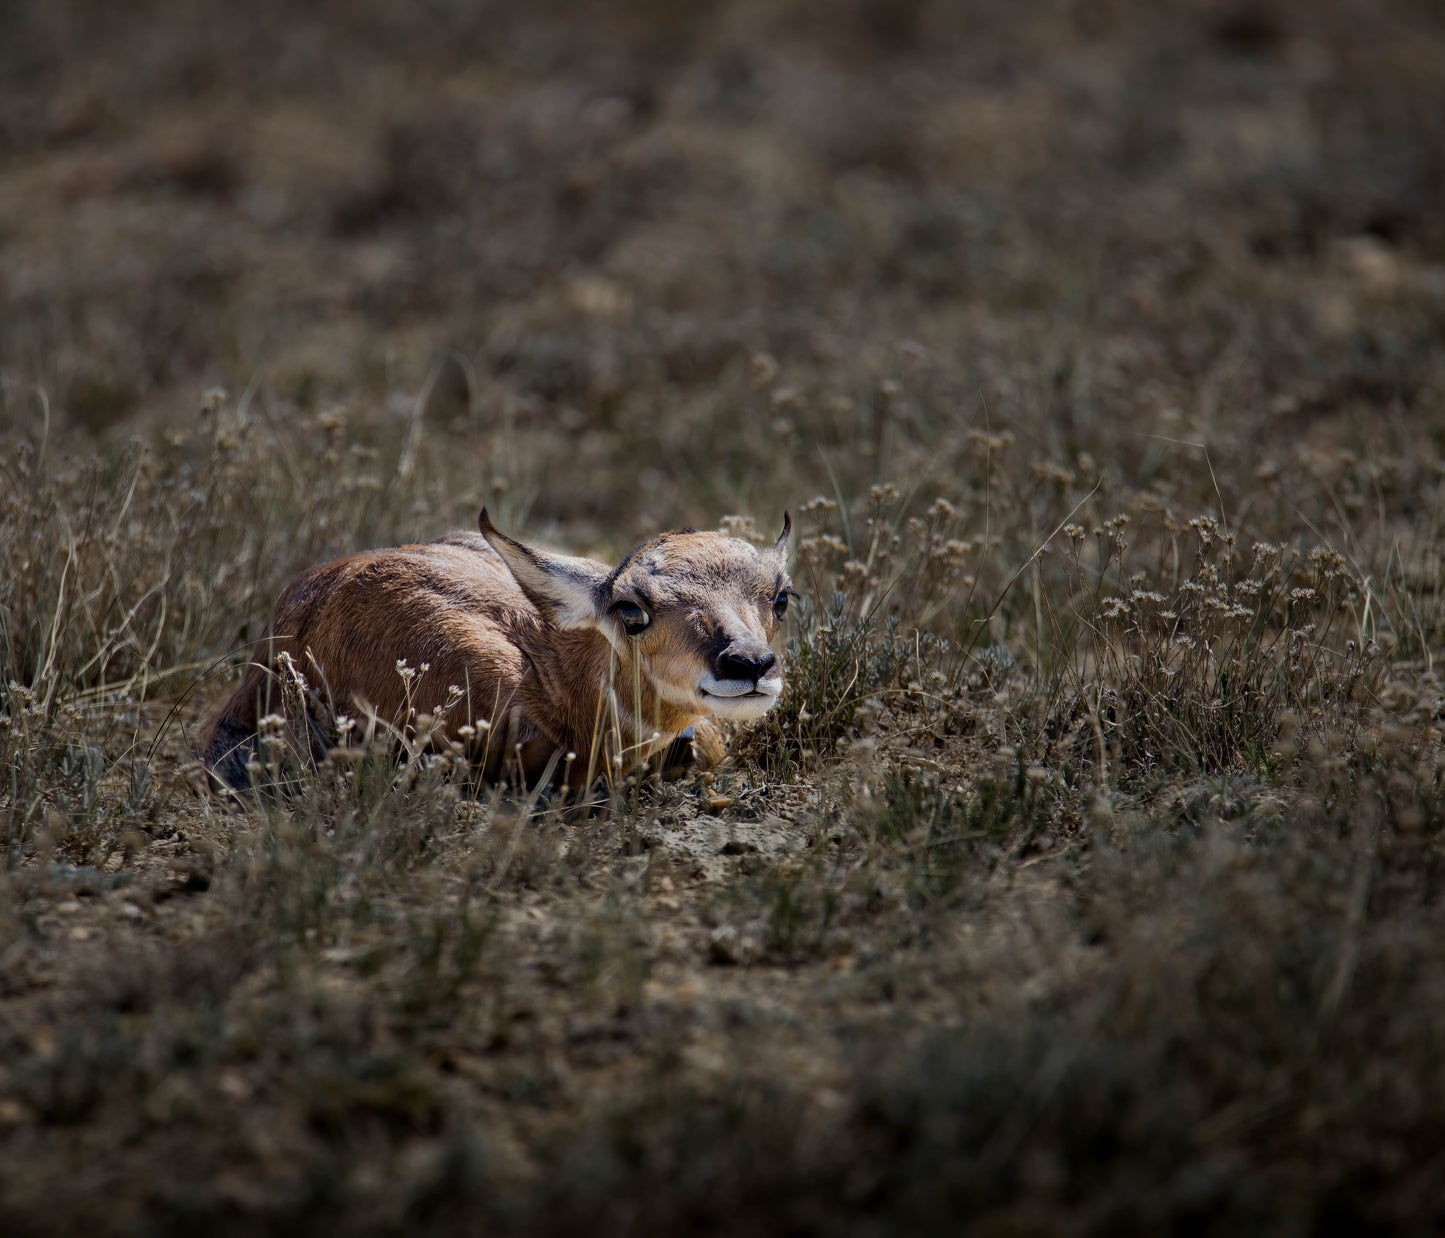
[
  {"x": 568, "y": 591},
  {"x": 780, "y": 547}
]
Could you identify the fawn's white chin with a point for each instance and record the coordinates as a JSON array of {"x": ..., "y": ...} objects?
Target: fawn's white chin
[{"x": 739, "y": 699}]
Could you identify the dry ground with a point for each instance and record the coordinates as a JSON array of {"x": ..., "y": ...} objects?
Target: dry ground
[{"x": 1087, "y": 879}]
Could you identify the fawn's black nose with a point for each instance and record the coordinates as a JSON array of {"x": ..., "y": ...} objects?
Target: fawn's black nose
[{"x": 745, "y": 659}]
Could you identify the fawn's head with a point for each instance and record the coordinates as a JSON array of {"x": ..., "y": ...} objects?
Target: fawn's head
[{"x": 695, "y": 611}]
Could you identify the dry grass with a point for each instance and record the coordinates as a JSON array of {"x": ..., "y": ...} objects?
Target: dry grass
[{"x": 1087, "y": 877}]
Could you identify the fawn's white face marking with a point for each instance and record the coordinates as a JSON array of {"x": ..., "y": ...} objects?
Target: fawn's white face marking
[{"x": 694, "y": 611}]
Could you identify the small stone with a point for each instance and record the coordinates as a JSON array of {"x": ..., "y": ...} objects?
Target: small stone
[
  {"x": 67, "y": 907},
  {"x": 730, "y": 948},
  {"x": 725, "y": 947}
]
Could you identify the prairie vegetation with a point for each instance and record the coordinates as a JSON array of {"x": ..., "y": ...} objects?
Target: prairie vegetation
[{"x": 1087, "y": 878}]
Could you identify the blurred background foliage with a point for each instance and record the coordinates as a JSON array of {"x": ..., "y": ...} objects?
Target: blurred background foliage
[{"x": 1087, "y": 221}]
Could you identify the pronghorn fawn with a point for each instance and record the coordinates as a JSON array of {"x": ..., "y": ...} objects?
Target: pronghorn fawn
[{"x": 533, "y": 660}]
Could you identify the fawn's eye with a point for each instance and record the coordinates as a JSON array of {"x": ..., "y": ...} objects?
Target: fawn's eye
[
  {"x": 780, "y": 605},
  {"x": 634, "y": 618}
]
